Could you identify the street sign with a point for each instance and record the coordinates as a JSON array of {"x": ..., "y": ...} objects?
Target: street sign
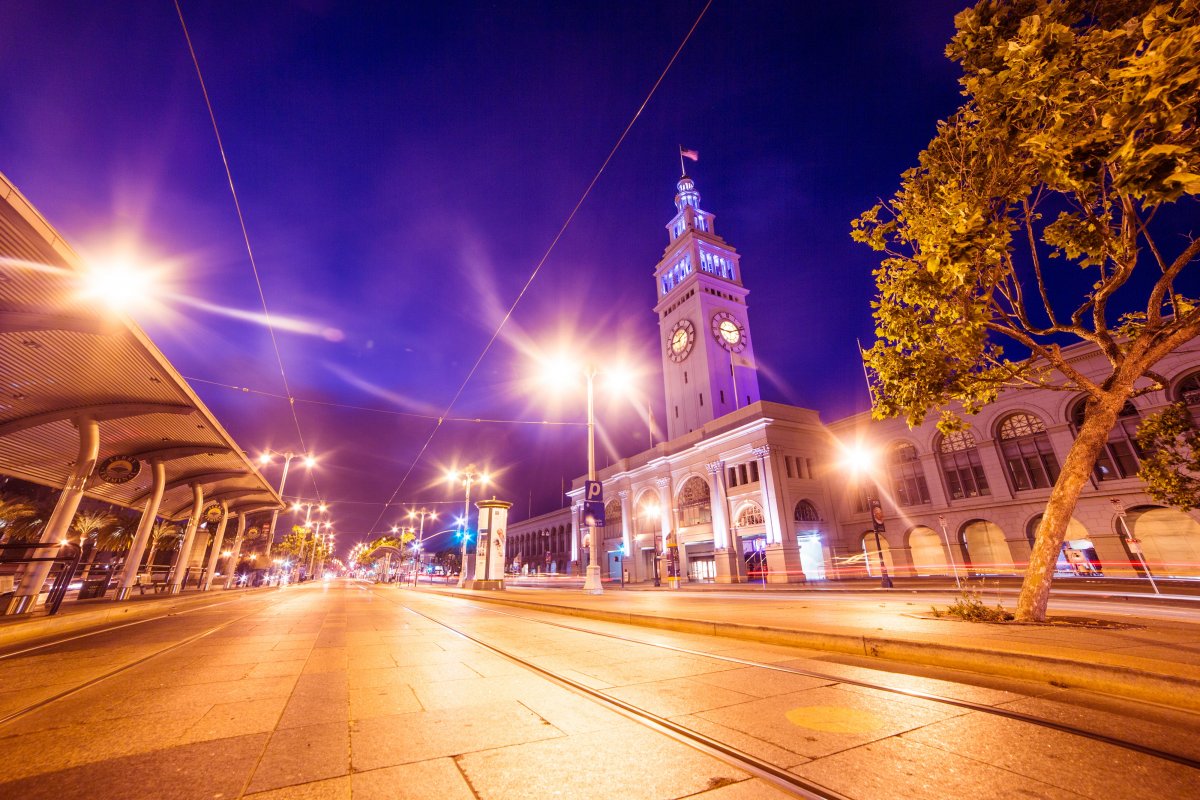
[
  {"x": 593, "y": 513},
  {"x": 593, "y": 504},
  {"x": 876, "y": 516},
  {"x": 1118, "y": 506}
]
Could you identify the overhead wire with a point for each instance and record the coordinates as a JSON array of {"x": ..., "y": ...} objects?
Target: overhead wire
[
  {"x": 546, "y": 255},
  {"x": 374, "y": 410},
  {"x": 245, "y": 237}
]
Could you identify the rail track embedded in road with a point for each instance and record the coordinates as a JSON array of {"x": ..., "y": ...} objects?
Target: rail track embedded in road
[{"x": 927, "y": 696}]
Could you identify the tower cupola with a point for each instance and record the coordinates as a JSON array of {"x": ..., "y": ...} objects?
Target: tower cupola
[{"x": 687, "y": 196}]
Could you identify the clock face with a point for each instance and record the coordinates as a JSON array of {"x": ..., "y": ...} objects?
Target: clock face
[
  {"x": 728, "y": 332},
  {"x": 679, "y": 346}
]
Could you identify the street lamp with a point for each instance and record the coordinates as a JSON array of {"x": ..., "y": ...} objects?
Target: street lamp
[
  {"x": 652, "y": 510},
  {"x": 266, "y": 457},
  {"x": 308, "y": 508},
  {"x": 422, "y": 514},
  {"x": 468, "y": 477},
  {"x": 619, "y": 379},
  {"x": 861, "y": 462}
]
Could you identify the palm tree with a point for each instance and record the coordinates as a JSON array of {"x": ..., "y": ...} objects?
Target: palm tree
[
  {"x": 162, "y": 533},
  {"x": 117, "y": 539},
  {"x": 89, "y": 525},
  {"x": 15, "y": 515}
]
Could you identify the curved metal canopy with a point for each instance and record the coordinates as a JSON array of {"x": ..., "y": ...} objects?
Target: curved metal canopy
[{"x": 65, "y": 358}]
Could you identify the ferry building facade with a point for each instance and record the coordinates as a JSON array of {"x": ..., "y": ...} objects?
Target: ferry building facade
[{"x": 745, "y": 489}]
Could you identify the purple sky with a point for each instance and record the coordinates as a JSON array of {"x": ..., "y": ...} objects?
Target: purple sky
[{"x": 402, "y": 170}]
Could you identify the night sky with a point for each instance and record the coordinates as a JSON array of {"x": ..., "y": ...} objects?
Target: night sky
[{"x": 403, "y": 168}]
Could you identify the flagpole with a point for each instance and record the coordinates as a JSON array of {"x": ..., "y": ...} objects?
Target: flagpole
[{"x": 682, "y": 171}]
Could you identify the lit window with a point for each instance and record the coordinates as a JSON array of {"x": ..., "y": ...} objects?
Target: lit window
[
  {"x": 908, "y": 478},
  {"x": 751, "y": 514},
  {"x": 1119, "y": 458},
  {"x": 694, "y": 505},
  {"x": 961, "y": 468},
  {"x": 1027, "y": 453}
]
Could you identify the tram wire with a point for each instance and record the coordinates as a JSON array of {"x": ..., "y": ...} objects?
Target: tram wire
[{"x": 1017, "y": 716}]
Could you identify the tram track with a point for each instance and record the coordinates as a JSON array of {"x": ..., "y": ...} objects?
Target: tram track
[
  {"x": 1010, "y": 714},
  {"x": 756, "y": 767}
]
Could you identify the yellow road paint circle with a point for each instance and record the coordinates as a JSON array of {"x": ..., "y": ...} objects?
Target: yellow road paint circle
[{"x": 834, "y": 719}]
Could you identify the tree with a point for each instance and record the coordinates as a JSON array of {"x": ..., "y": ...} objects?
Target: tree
[
  {"x": 90, "y": 525},
  {"x": 15, "y": 515},
  {"x": 1171, "y": 464},
  {"x": 162, "y": 534},
  {"x": 1078, "y": 128}
]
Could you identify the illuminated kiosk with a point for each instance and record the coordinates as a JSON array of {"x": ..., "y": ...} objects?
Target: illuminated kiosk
[{"x": 489, "y": 547}]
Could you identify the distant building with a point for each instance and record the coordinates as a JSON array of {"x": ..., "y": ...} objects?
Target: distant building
[{"x": 751, "y": 490}]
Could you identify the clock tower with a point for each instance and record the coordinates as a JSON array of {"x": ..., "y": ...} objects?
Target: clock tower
[{"x": 708, "y": 357}]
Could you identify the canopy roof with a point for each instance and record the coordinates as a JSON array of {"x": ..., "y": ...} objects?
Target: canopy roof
[{"x": 63, "y": 356}]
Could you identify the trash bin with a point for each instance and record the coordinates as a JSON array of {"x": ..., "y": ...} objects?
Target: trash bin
[{"x": 93, "y": 588}]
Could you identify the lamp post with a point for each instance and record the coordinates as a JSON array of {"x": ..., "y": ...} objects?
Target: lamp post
[
  {"x": 422, "y": 514},
  {"x": 861, "y": 462},
  {"x": 308, "y": 507},
  {"x": 557, "y": 371},
  {"x": 317, "y": 532},
  {"x": 468, "y": 477},
  {"x": 266, "y": 458}
]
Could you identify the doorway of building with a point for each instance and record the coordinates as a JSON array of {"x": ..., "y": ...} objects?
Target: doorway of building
[
  {"x": 812, "y": 557},
  {"x": 754, "y": 555}
]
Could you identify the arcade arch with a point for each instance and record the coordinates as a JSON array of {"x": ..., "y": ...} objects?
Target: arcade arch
[
  {"x": 987, "y": 550},
  {"x": 1170, "y": 540}
]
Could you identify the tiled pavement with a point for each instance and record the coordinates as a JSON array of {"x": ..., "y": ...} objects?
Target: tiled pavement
[
  {"x": 341, "y": 691},
  {"x": 325, "y": 693}
]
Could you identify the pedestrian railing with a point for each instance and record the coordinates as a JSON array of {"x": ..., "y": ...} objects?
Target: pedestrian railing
[{"x": 67, "y": 560}]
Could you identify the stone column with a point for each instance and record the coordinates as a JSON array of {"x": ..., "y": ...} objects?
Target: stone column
[
  {"x": 724, "y": 553},
  {"x": 236, "y": 553},
  {"x": 666, "y": 523},
  {"x": 215, "y": 553},
  {"x": 149, "y": 514},
  {"x": 179, "y": 568},
  {"x": 630, "y": 559},
  {"x": 783, "y": 554},
  {"x": 33, "y": 576}
]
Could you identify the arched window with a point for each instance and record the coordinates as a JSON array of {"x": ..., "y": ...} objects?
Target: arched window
[
  {"x": 1027, "y": 453},
  {"x": 959, "y": 458},
  {"x": 908, "y": 478},
  {"x": 750, "y": 515},
  {"x": 806, "y": 512},
  {"x": 612, "y": 520},
  {"x": 1187, "y": 391},
  {"x": 694, "y": 506},
  {"x": 1119, "y": 458}
]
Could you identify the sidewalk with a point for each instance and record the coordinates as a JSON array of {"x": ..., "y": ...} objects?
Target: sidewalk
[
  {"x": 1143, "y": 659},
  {"x": 81, "y": 615}
]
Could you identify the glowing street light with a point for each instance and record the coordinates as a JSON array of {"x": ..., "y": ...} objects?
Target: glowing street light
[
  {"x": 468, "y": 477},
  {"x": 561, "y": 370},
  {"x": 265, "y": 458},
  {"x": 861, "y": 462},
  {"x": 118, "y": 283},
  {"x": 422, "y": 514}
]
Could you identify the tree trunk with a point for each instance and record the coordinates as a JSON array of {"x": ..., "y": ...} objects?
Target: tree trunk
[{"x": 1081, "y": 460}]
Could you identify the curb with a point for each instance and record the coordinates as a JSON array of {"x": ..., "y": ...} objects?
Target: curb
[
  {"x": 26, "y": 631},
  {"x": 1176, "y": 691}
]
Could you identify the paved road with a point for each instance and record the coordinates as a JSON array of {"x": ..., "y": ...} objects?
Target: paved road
[{"x": 346, "y": 690}]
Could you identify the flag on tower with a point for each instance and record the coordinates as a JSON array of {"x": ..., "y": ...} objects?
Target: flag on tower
[
  {"x": 692, "y": 154},
  {"x": 741, "y": 360}
]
